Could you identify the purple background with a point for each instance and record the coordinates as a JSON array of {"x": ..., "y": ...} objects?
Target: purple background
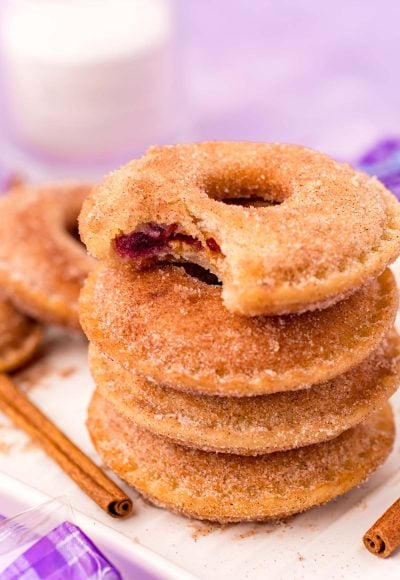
[{"x": 324, "y": 74}]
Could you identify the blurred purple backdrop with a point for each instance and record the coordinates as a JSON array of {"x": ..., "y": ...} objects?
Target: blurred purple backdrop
[
  {"x": 324, "y": 74},
  {"x": 320, "y": 74}
]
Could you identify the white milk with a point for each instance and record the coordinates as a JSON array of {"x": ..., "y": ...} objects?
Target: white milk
[{"x": 88, "y": 80}]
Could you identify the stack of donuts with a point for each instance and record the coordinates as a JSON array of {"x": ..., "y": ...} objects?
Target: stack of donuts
[{"x": 240, "y": 321}]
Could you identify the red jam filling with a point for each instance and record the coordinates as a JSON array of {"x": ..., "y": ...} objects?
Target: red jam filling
[
  {"x": 212, "y": 245},
  {"x": 188, "y": 240},
  {"x": 152, "y": 240}
]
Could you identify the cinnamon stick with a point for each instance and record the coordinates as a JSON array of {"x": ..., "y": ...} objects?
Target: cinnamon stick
[
  {"x": 383, "y": 538},
  {"x": 70, "y": 458}
]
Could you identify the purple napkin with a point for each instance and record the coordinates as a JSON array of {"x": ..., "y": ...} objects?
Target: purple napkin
[
  {"x": 383, "y": 161},
  {"x": 64, "y": 551}
]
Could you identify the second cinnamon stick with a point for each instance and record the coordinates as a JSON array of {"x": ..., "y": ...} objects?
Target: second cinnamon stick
[{"x": 383, "y": 538}]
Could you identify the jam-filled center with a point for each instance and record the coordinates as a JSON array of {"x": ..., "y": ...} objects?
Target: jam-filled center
[{"x": 152, "y": 240}]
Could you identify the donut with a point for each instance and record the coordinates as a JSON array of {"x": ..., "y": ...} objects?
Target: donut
[
  {"x": 20, "y": 337},
  {"x": 233, "y": 488},
  {"x": 252, "y": 425},
  {"x": 284, "y": 228},
  {"x": 173, "y": 328},
  {"x": 42, "y": 265}
]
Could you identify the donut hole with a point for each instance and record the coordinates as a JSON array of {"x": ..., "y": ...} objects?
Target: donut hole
[
  {"x": 246, "y": 188},
  {"x": 251, "y": 201}
]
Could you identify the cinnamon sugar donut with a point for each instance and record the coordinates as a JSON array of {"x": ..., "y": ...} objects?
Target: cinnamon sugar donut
[
  {"x": 20, "y": 337},
  {"x": 253, "y": 425},
  {"x": 42, "y": 266},
  {"x": 327, "y": 229},
  {"x": 174, "y": 329},
  {"x": 233, "y": 488}
]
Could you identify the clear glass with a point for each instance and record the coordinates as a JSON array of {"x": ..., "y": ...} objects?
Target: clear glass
[{"x": 86, "y": 84}]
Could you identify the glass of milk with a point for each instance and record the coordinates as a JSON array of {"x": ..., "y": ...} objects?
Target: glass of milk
[{"x": 86, "y": 84}]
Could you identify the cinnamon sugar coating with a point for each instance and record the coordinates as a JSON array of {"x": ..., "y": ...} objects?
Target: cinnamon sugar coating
[
  {"x": 174, "y": 329},
  {"x": 42, "y": 266},
  {"x": 327, "y": 231},
  {"x": 20, "y": 337},
  {"x": 253, "y": 425},
  {"x": 232, "y": 488}
]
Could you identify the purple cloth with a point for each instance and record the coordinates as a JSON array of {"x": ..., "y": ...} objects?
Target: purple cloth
[
  {"x": 65, "y": 551},
  {"x": 383, "y": 161}
]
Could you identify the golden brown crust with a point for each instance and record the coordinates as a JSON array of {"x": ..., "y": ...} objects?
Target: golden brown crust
[
  {"x": 333, "y": 229},
  {"x": 174, "y": 329},
  {"x": 231, "y": 488},
  {"x": 253, "y": 425},
  {"x": 20, "y": 337},
  {"x": 42, "y": 266}
]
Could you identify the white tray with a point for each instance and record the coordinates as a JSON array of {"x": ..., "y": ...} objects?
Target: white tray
[{"x": 322, "y": 543}]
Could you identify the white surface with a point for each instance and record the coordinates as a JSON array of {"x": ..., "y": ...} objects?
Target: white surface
[
  {"x": 85, "y": 78},
  {"x": 322, "y": 543}
]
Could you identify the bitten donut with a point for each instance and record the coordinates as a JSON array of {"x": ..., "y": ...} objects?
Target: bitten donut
[
  {"x": 322, "y": 231},
  {"x": 20, "y": 337},
  {"x": 42, "y": 265},
  {"x": 174, "y": 329},
  {"x": 233, "y": 488},
  {"x": 253, "y": 425}
]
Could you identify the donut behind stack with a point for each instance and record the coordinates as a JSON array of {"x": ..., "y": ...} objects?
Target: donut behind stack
[
  {"x": 42, "y": 264},
  {"x": 227, "y": 417}
]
